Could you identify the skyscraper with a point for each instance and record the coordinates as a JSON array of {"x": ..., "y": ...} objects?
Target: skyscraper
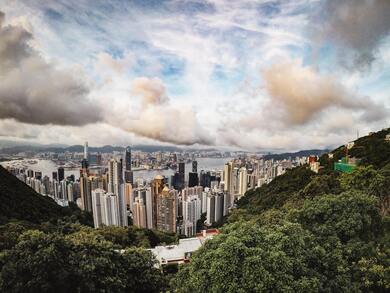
[
  {"x": 157, "y": 187},
  {"x": 97, "y": 207},
  {"x": 192, "y": 209},
  {"x": 166, "y": 210},
  {"x": 86, "y": 193},
  {"x": 86, "y": 150},
  {"x": 139, "y": 213},
  {"x": 181, "y": 175},
  {"x": 61, "y": 174},
  {"x": 144, "y": 193},
  {"x": 116, "y": 186},
  {"x": 243, "y": 181},
  {"x": 193, "y": 179},
  {"x": 128, "y": 158},
  {"x": 194, "y": 166},
  {"x": 128, "y": 174},
  {"x": 227, "y": 177},
  {"x": 210, "y": 208},
  {"x": 105, "y": 208},
  {"x": 84, "y": 161}
]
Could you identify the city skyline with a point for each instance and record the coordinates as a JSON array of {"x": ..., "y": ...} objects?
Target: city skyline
[{"x": 253, "y": 75}]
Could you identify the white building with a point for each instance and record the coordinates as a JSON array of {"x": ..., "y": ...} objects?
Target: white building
[
  {"x": 192, "y": 210},
  {"x": 105, "y": 208},
  {"x": 243, "y": 181},
  {"x": 181, "y": 253}
]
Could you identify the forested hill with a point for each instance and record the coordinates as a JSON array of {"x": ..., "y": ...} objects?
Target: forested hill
[
  {"x": 20, "y": 202},
  {"x": 304, "y": 153},
  {"x": 372, "y": 149},
  {"x": 47, "y": 248},
  {"x": 305, "y": 232}
]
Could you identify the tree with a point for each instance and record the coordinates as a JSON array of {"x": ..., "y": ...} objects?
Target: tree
[{"x": 80, "y": 262}]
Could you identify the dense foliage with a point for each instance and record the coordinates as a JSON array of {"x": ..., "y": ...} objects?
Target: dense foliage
[
  {"x": 305, "y": 232},
  {"x": 79, "y": 262},
  {"x": 333, "y": 243},
  {"x": 20, "y": 202},
  {"x": 46, "y": 248}
]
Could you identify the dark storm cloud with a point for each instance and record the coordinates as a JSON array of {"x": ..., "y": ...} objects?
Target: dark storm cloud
[
  {"x": 35, "y": 91},
  {"x": 300, "y": 94},
  {"x": 359, "y": 25}
]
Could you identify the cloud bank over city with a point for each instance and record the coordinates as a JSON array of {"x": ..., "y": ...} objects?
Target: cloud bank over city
[{"x": 255, "y": 75}]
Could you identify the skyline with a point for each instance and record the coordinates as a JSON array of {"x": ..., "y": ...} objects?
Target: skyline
[{"x": 254, "y": 75}]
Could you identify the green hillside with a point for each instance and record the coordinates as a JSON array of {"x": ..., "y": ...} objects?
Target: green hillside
[
  {"x": 47, "y": 248},
  {"x": 305, "y": 232},
  {"x": 20, "y": 202}
]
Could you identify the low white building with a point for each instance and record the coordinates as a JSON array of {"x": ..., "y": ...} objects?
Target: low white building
[{"x": 181, "y": 253}]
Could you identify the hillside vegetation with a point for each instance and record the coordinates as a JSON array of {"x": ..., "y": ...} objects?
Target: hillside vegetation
[
  {"x": 305, "y": 232},
  {"x": 47, "y": 248}
]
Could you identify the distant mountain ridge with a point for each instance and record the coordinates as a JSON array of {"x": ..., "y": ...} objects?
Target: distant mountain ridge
[
  {"x": 303, "y": 153},
  {"x": 79, "y": 148}
]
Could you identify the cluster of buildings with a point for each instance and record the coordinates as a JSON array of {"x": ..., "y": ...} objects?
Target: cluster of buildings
[{"x": 184, "y": 203}]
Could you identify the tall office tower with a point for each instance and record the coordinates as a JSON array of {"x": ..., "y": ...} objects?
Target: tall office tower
[
  {"x": 235, "y": 181},
  {"x": 149, "y": 207},
  {"x": 64, "y": 189},
  {"x": 175, "y": 181},
  {"x": 86, "y": 193},
  {"x": 84, "y": 161},
  {"x": 181, "y": 175},
  {"x": 243, "y": 181},
  {"x": 139, "y": 213},
  {"x": 61, "y": 174},
  {"x": 46, "y": 183},
  {"x": 116, "y": 186},
  {"x": 54, "y": 176},
  {"x": 128, "y": 174},
  {"x": 145, "y": 193},
  {"x": 193, "y": 179},
  {"x": 203, "y": 198},
  {"x": 30, "y": 173},
  {"x": 252, "y": 180},
  {"x": 69, "y": 192},
  {"x": 194, "y": 166},
  {"x": 210, "y": 218},
  {"x": 97, "y": 207},
  {"x": 219, "y": 206},
  {"x": 38, "y": 175},
  {"x": 105, "y": 208},
  {"x": 86, "y": 150},
  {"x": 128, "y": 159},
  {"x": 129, "y": 200},
  {"x": 226, "y": 203},
  {"x": 157, "y": 187},
  {"x": 227, "y": 177},
  {"x": 192, "y": 210},
  {"x": 55, "y": 189},
  {"x": 111, "y": 210},
  {"x": 166, "y": 210},
  {"x": 204, "y": 179}
]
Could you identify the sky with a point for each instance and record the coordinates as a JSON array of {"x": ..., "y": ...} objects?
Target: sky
[{"x": 251, "y": 75}]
